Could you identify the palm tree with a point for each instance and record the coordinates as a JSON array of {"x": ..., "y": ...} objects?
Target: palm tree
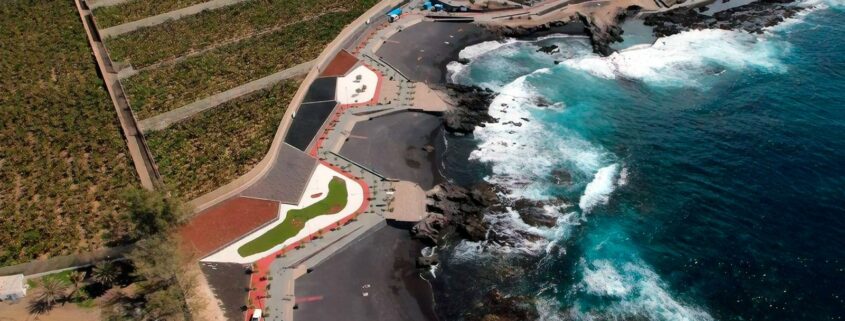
[
  {"x": 52, "y": 291},
  {"x": 76, "y": 278},
  {"x": 105, "y": 273}
]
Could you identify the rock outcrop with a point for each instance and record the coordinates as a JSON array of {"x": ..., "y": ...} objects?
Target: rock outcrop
[
  {"x": 498, "y": 307},
  {"x": 601, "y": 36},
  {"x": 753, "y": 17},
  {"x": 458, "y": 208},
  {"x": 471, "y": 105}
]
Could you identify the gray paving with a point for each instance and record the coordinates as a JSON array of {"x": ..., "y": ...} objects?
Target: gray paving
[
  {"x": 165, "y": 17},
  {"x": 287, "y": 178},
  {"x": 374, "y": 280},
  {"x": 393, "y": 146},
  {"x": 422, "y": 51},
  {"x": 169, "y": 118}
]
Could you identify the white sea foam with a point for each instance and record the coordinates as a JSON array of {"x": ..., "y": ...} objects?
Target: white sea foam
[
  {"x": 599, "y": 189},
  {"x": 679, "y": 59},
  {"x": 633, "y": 290},
  {"x": 522, "y": 155},
  {"x": 603, "y": 279},
  {"x": 477, "y": 50}
]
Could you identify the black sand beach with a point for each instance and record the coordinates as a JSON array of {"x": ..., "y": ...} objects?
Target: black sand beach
[
  {"x": 373, "y": 279},
  {"x": 422, "y": 51},
  {"x": 393, "y": 146}
]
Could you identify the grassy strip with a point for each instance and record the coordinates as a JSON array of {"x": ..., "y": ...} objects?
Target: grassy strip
[
  {"x": 63, "y": 162},
  {"x": 163, "y": 89},
  {"x": 136, "y": 10},
  {"x": 176, "y": 38},
  {"x": 295, "y": 219},
  {"x": 213, "y": 148}
]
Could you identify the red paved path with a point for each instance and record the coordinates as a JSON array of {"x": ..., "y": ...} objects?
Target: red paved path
[{"x": 230, "y": 220}]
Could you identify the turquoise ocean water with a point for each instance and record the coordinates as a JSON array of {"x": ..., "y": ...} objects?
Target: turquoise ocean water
[{"x": 704, "y": 176}]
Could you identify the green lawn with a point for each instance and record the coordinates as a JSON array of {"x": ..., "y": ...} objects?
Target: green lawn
[{"x": 295, "y": 219}]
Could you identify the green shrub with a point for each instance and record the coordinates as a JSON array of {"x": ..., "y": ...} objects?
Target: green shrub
[
  {"x": 205, "y": 152},
  {"x": 63, "y": 160},
  {"x": 146, "y": 46},
  {"x": 159, "y": 90},
  {"x": 136, "y": 10}
]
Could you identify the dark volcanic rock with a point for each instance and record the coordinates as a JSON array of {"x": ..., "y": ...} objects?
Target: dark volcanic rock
[
  {"x": 498, "y": 307},
  {"x": 752, "y": 17},
  {"x": 429, "y": 228},
  {"x": 427, "y": 261},
  {"x": 462, "y": 208},
  {"x": 601, "y": 36},
  {"x": 550, "y": 49},
  {"x": 562, "y": 177},
  {"x": 532, "y": 213},
  {"x": 470, "y": 110}
]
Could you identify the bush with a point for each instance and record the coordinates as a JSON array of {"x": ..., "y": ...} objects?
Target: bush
[
  {"x": 63, "y": 160},
  {"x": 215, "y": 147},
  {"x": 159, "y": 90},
  {"x": 176, "y": 38},
  {"x": 136, "y": 10}
]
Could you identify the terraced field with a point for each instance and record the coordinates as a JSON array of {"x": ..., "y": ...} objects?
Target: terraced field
[
  {"x": 136, "y": 10},
  {"x": 215, "y": 147},
  {"x": 63, "y": 161},
  {"x": 176, "y": 38},
  {"x": 159, "y": 90}
]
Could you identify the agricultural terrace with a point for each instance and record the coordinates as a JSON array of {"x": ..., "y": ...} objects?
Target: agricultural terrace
[
  {"x": 136, "y": 10},
  {"x": 163, "y": 89},
  {"x": 295, "y": 219},
  {"x": 209, "y": 150},
  {"x": 176, "y": 38},
  {"x": 63, "y": 161}
]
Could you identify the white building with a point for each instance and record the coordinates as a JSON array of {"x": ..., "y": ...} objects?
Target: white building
[{"x": 12, "y": 287}]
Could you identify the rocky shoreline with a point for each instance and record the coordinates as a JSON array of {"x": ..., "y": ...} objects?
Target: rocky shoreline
[
  {"x": 753, "y": 18},
  {"x": 458, "y": 212}
]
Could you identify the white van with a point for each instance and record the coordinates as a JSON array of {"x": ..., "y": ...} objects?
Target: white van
[{"x": 256, "y": 315}]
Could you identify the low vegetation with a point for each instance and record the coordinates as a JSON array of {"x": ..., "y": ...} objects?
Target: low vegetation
[
  {"x": 173, "y": 39},
  {"x": 154, "y": 283},
  {"x": 136, "y": 10},
  {"x": 295, "y": 219},
  {"x": 63, "y": 161},
  {"x": 207, "y": 151},
  {"x": 159, "y": 90}
]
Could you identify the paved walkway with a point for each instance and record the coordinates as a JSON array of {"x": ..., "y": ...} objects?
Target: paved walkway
[
  {"x": 165, "y": 17},
  {"x": 164, "y": 120}
]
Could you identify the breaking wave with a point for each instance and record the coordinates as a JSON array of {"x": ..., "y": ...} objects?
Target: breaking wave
[
  {"x": 633, "y": 290},
  {"x": 680, "y": 59},
  {"x": 598, "y": 191}
]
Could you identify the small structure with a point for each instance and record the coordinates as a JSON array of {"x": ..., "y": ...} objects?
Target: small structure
[
  {"x": 12, "y": 287},
  {"x": 438, "y": 7},
  {"x": 427, "y": 5},
  {"x": 394, "y": 14}
]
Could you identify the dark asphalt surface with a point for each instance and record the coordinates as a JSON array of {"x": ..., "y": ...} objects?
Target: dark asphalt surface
[
  {"x": 384, "y": 260},
  {"x": 422, "y": 51},
  {"x": 393, "y": 146}
]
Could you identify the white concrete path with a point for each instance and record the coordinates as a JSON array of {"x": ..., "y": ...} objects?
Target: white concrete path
[
  {"x": 349, "y": 86},
  {"x": 319, "y": 183}
]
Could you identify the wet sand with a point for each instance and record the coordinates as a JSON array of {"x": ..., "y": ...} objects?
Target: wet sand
[{"x": 375, "y": 278}]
